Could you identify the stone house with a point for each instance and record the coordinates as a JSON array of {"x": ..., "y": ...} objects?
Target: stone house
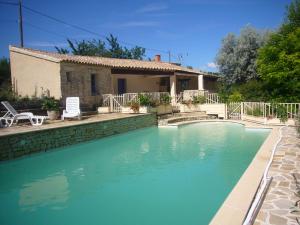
[{"x": 34, "y": 73}]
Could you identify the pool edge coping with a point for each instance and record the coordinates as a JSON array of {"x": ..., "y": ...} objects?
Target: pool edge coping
[{"x": 236, "y": 205}]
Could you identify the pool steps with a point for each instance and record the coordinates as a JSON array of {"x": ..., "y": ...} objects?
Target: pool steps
[{"x": 182, "y": 117}]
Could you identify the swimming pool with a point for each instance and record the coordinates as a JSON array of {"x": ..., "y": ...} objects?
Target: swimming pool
[{"x": 148, "y": 176}]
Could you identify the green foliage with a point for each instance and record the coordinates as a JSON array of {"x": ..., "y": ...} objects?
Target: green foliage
[
  {"x": 237, "y": 57},
  {"x": 50, "y": 104},
  {"x": 235, "y": 97},
  {"x": 281, "y": 112},
  {"x": 200, "y": 99},
  {"x": 6, "y": 94},
  {"x": 99, "y": 48},
  {"x": 165, "y": 99},
  {"x": 253, "y": 91},
  {"x": 254, "y": 112},
  {"x": 279, "y": 60},
  {"x": 144, "y": 100},
  {"x": 4, "y": 71}
]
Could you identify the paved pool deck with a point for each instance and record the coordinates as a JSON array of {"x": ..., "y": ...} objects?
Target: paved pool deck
[
  {"x": 281, "y": 205},
  {"x": 48, "y": 124}
]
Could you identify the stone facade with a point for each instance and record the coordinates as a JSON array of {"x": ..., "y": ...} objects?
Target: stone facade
[
  {"x": 76, "y": 81},
  {"x": 20, "y": 144}
]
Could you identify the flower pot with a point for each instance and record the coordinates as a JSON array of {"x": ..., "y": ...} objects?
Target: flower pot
[
  {"x": 126, "y": 109},
  {"x": 104, "y": 109},
  {"x": 164, "y": 109},
  {"x": 53, "y": 115},
  {"x": 147, "y": 109}
]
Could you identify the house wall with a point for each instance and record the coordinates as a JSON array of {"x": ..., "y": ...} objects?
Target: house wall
[
  {"x": 32, "y": 76},
  {"x": 79, "y": 83},
  {"x": 136, "y": 83}
]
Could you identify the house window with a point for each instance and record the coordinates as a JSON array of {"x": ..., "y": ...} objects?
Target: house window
[
  {"x": 93, "y": 85},
  {"x": 164, "y": 84},
  {"x": 68, "y": 76},
  {"x": 184, "y": 84}
]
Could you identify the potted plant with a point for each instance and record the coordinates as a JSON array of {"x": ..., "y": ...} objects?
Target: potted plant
[
  {"x": 135, "y": 106},
  {"x": 131, "y": 107},
  {"x": 165, "y": 106},
  {"x": 52, "y": 106},
  {"x": 192, "y": 105},
  {"x": 147, "y": 105}
]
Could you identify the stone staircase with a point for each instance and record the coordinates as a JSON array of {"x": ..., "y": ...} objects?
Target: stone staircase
[{"x": 182, "y": 117}]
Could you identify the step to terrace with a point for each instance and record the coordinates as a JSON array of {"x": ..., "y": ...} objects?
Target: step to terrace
[{"x": 182, "y": 117}]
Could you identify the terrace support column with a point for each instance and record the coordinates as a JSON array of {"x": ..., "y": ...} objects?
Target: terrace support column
[
  {"x": 173, "y": 88},
  {"x": 200, "y": 83}
]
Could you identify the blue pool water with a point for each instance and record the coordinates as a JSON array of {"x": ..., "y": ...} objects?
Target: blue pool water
[{"x": 151, "y": 176}]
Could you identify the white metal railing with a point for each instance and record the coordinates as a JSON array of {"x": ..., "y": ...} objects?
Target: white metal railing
[
  {"x": 190, "y": 94},
  {"x": 116, "y": 102},
  {"x": 265, "y": 110},
  {"x": 270, "y": 110},
  {"x": 106, "y": 99},
  {"x": 212, "y": 98},
  {"x": 234, "y": 110},
  {"x": 178, "y": 98}
]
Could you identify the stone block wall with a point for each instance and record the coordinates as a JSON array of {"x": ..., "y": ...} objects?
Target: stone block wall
[
  {"x": 78, "y": 82},
  {"x": 16, "y": 145}
]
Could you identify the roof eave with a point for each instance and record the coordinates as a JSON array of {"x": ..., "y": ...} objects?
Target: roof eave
[{"x": 33, "y": 54}]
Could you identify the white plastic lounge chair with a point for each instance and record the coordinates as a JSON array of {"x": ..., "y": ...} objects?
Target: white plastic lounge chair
[
  {"x": 12, "y": 115},
  {"x": 72, "y": 108}
]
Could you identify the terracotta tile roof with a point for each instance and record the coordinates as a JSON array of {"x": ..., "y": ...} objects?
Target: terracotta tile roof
[{"x": 108, "y": 62}]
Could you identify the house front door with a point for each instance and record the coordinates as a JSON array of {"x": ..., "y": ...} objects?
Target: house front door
[{"x": 121, "y": 86}]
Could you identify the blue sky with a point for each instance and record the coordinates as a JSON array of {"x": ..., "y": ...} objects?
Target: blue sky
[{"x": 191, "y": 28}]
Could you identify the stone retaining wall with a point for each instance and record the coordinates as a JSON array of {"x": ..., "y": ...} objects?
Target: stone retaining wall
[{"x": 20, "y": 144}]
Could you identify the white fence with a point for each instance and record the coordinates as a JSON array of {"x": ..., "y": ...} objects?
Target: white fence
[
  {"x": 269, "y": 110},
  {"x": 268, "y": 113},
  {"x": 187, "y": 95},
  {"x": 116, "y": 102},
  {"x": 234, "y": 110}
]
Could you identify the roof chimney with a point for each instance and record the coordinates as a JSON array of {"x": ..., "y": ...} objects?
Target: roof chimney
[{"x": 157, "y": 58}]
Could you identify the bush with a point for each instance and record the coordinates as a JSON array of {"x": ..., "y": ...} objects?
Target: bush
[
  {"x": 144, "y": 100},
  {"x": 281, "y": 112},
  {"x": 6, "y": 93},
  {"x": 235, "y": 97},
  {"x": 165, "y": 99},
  {"x": 50, "y": 104},
  {"x": 200, "y": 99}
]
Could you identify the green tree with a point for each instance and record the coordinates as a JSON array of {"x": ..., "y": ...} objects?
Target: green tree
[
  {"x": 4, "y": 71},
  {"x": 279, "y": 60},
  {"x": 99, "y": 48},
  {"x": 237, "y": 57},
  {"x": 5, "y": 80}
]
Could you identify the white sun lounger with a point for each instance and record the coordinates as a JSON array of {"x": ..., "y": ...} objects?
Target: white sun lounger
[
  {"x": 72, "y": 108},
  {"x": 13, "y": 116}
]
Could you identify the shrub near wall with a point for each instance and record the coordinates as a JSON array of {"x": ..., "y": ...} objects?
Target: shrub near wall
[{"x": 16, "y": 145}]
